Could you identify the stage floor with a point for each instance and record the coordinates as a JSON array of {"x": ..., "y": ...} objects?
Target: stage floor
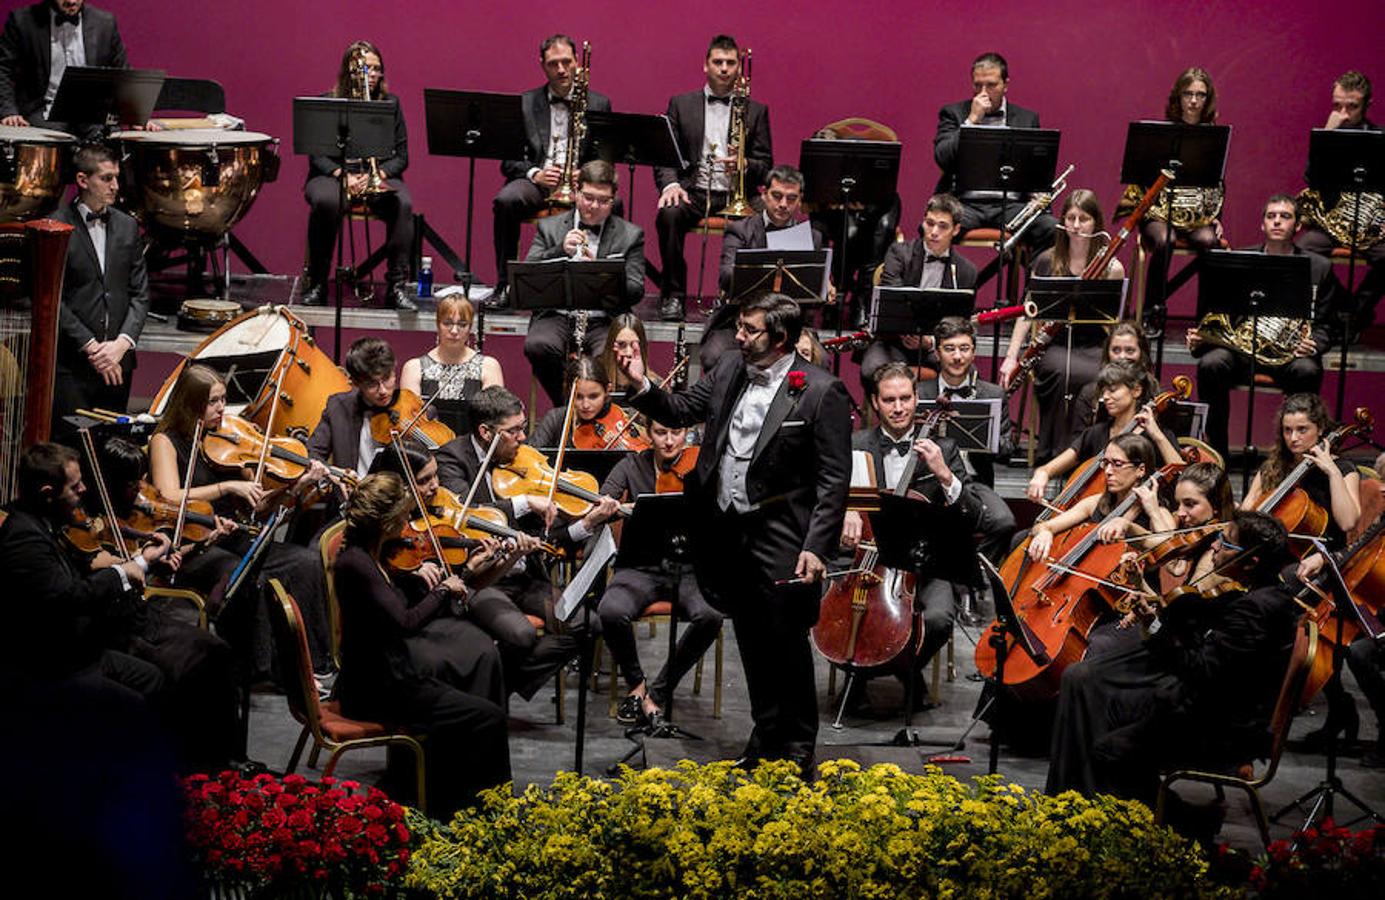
[{"x": 539, "y": 748}]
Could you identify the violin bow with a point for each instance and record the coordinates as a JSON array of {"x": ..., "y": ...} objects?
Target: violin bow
[
  {"x": 427, "y": 402},
  {"x": 476, "y": 482},
  {"x": 397, "y": 442},
  {"x": 630, "y": 420},
  {"x": 562, "y": 445},
  {"x": 187, "y": 486},
  {"x": 269, "y": 424},
  {"x": 107, "y": 507}
]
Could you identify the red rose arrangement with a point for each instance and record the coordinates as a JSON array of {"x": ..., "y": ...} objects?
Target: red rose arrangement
[
  {"x": 1327, "y": 860},
  {"x": 797, "y": 381},
  {"x": 264, "y": 831}
]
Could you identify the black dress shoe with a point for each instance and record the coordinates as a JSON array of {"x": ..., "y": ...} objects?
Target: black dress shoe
[
  {"x": 397, "y": 296},
  {"x": 746, "y": 762},
  {"x": 671, "y": 309},
  {"x": 630, "y": 710},
  {"x": 499, "y": 297},
  {"x": 313, "y": 296}
]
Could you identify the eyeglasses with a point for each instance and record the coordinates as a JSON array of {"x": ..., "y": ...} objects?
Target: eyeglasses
[
  {"x": 748, "y": 330},
  {"x": 1222, "y": 541},
  {"x": 516, "y": 431},
  {"x": 1194, "y": 95},
  {"x": 597, "y": 199},
  {"x": 1117, "y": 464},
  {"x": 376, "y": 384},
  {"x": 454, "y": 323}
]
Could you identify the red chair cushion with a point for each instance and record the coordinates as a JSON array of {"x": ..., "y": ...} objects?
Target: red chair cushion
[
  {"x": 980, "y": 236},
  {"x": 339, "y": 728},
  {"x": 657, "y": 608}
]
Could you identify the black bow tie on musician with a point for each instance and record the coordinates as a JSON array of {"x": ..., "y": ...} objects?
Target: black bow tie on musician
[{"x": 104, "y": 216}]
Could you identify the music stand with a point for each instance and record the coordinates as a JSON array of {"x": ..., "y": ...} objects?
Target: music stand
[
  {"x": 1239, "y": 283},
  {"x": 342, "y": 129},
  {"x": 1011, "y": 161},
  {"x": 565, "y": 284},
  {"x": 1346, "y": 160},
  {"x": 1196, "y": 155},
  {"x": 973, "y": 424},
  {"x": 848, "y": 173},
  {"x": 92, "y": 95},
  {"x": 898, "y": 311},
  {"x": 656, "y": 537},
  {"x": 477, "y": 125},
  {"x": 1077, "y": 301},
  {"x": 801, "y": 275},
  {"x": 634, "y": 139}
]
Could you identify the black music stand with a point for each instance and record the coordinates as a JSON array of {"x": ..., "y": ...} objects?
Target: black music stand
[
  {"x": 342, "y": 129},
  {"x": 899, "y": 311},
  {"x": 848, "y": 173},
  {"x": 1196, "y": 156},
  {"x": 477, "y": 125},
  {"x": 634, "y": 139},
  {"x": 565, "y": 284},
  {"x": 94, "y": 95},
  {"x": 1346, "y": 160},
  {"x": 973, "y": 424},
  {"x": 801, "y": 275},
  {"x": 1240, "y": 284},
  {"x": 1077, "y": 301},
  {"x": 1009, "y": 160},
  {"x": 656, "y": 537}
]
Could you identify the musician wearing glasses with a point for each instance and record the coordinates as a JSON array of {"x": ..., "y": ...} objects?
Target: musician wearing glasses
[
  {"x": 988, "y": 106},
  {"x": 105, "y": 294},
  {"x": 701, "y": 123},
  {"x": 531, "y": 180},
  {"x": 374, "y": 183},
  {"x": 1293, "y": 360},
  {"x": 590, "y": 231},
  {"x": 1327, "y": 218},
  {"x": 453, "y": 371},
  {"x": 925, "y": 262},
  {"x": 39, "y": 42}
]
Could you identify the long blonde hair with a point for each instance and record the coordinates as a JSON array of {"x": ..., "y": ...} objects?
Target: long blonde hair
[{"x": 187, "y": 402}]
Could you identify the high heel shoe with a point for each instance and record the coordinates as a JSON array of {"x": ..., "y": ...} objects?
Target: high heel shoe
[{"x": 1342, "y": 720}]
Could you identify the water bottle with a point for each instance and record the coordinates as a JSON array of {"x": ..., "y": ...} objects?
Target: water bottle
[{"x": 425, "y": 277}]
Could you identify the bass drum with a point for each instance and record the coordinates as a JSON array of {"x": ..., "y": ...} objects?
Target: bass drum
[
  {"x": 32, "y": 161},
  {"x": 260, "y": 351},
  {"x": 194, "y": 182}
]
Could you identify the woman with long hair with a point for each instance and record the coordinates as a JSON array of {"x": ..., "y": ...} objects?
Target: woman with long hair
[{"x": 1126, "y": 342}]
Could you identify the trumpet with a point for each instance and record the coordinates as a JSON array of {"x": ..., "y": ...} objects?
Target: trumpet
[
  {"x": 565, "y": 192},
  {"x": 375, "y": 180},
  {"x": 1016, "y": 227},
  {"x": 736, "y": 205}
]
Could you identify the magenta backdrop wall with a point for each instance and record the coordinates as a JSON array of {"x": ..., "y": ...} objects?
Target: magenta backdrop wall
[{"x": 1088, "y": 68}]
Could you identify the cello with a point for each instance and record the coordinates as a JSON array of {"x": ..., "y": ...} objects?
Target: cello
[
  {"x": 1362, "y": 565},
  {"x": 1291, "y": 505}
]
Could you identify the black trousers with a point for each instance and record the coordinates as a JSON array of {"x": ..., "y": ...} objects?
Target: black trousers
[
  {"x": 1158, "y": 239},
  {"x": 1368, "y": 288},
  {"x": 547, "y": 344},
  {"x": 627, "y": 594},
  {"x": 673, "y": 224},
  {"x": 719, "y": 336},
  {"x": 1220, "y": 369},
  {"x": 460, "y": 654},
  {"x": 1059, "y": 377},
  {"x": 528, "y": 660},
  {"x": 79, "y": 386},
  {"x": 513, "y": 204},
  {"x": 989, "y": 516},
  {"x": 395, "y": 209}
]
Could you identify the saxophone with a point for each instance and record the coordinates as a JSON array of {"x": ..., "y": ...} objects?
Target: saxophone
[
  {"x": 1271, "y": 339},
  {"x": 1191, "y": 207},
  {"x": 360, "y": 90},
  {"x": 565, "y": 191},
  {"x": 1370, "y": 221},
  {"x": 736, "y": 205}
]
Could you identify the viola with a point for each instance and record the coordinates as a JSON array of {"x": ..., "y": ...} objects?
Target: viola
[
  {"x": 406, "y": 418},
  {"x": 238, "y": 444},
  {"x": 1181, "y": 545},
  {"x": 529, "y": 474},
  {"x": 89, "y": 535},
  {"x": 412, "y": 548},
  {"x": 612, "y": 430},
  {"x": 670, "y": 480},
  {"x": 480, "y": 522},
  {"x": 1291, "y": 505},
  {"x": 151, "y": 512}
]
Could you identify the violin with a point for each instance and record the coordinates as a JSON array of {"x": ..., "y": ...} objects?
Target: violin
[
  {"x": 1291, "y": 505},
  {"x": 89, "y": 535},
  {"x": 481, "y": 521},
  {"x": 405, "y": 417},
  {"x": 612, "y": 430},
  {"x": 670, "y": 480},
  {"x": 151, "y": 512},
  {"x": 411, "y": 548},
  {"x": 530, "y": 474},
  {"x": 239, "y": 444},
  {"x": 1182, "y": 544}
]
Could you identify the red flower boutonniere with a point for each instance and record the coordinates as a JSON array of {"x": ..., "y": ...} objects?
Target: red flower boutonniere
[{"x": 797, "y": 382}]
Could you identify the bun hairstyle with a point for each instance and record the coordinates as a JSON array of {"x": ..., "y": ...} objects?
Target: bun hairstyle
[{"x": 378, "y": 503}]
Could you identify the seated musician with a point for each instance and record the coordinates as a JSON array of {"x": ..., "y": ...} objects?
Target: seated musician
[
  {"x": 453, "y": 370},
  {"x": 782, "y": 198},
  {"x": 1069, "y": 361},
  {"x": 1127, "y": 341},
  {"x": 701, "y": 122},
  {"x": 625, "y": 333},
  {"x": 547, "y": 127},
  {"x": 926, "y": 262},
  {"x": 1195, "y": 210},
  {"x": 1332, "y": 483},
  {"x": 390, "y": 201},
  {"x": 199, "y": 395},
  {"x": 1198, "y": 691},
  {"x": 810, "y": 348},
  {"x": 84, "y": 616},
  {"x": 38, "y": 44},
  {"x": 1201, "y": 496},
  {"x": 1327, "y": 217},
  {"x": 498, "y": 415},
  {"x": 590, "y": 231},
  {"x": 989, "y": 106},
  {"x": 103, "y": 304},
  {"x": 940, "y": 476},
  {"x": 597, "y": 422},
  {"x": 955, "y": 339},
  {"x": 342, "y": 436},
  {"x": 1121, "y": 386},
  {"x": 467, "y": 746},
  {"x": 1296, "y": 366},
  {"x": 632, "y": 589}
]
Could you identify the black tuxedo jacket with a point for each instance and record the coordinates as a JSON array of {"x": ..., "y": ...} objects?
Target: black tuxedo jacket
[
  {"x": 948, "y": 136},
  {"x": 924, "y": 481},
  {"x": 457, "y": 468},
  {"x": 537, "y": 122},
  {"x": 25, "y": 61},
  {"x": 619, "y": 238},
  {"x": 749, "y": 233},
  {"x": 390, "y": 166},
  {"x": 337, "y": 437},
  {"x": 796, "y": 482},
  {"x": 687, "y": 114},
  {"x": 99, "y": 305},
  {"x": 904, "y": 266},
  {"x": 983, "y": 463}
]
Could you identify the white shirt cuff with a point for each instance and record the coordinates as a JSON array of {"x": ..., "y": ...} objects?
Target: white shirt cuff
[
  {"x": 129, "y": 340},
  {"x": 532, "y": 171},
  {"x": 952, "y": 491},
  {"x": 579, "y": 532},
  {"x": 521, "y": 504}
]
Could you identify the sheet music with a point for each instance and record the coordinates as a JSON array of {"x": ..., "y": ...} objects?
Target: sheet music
[
  {"x": 601, "y": 550},
  {"x": 799, "y": 237},
  {"x": 862, "y": 469}
]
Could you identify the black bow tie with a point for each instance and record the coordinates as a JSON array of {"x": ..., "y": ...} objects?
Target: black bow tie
[
  {"x": 930, "y": 258},
  {"x": 589, "y": 229},
  {"x": 900, "y": 447},
  {"x": 557, "y": 101},
  {"x": 962, "y": 391},
  {"x": 724, "y": 101},
  {"x": 61, "y": 18},
  {"x": 104, "y": 216}
]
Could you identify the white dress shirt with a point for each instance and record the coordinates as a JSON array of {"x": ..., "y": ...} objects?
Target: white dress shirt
[
  {"x": 716, "y": 129},
  {"x": 559, "y": 114},
  {"x": 65, "y": 48},
  {"x": 894, "y": 463},
  {"x": 746, "y": 422},
  {"x": 96, "y": 229}
]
